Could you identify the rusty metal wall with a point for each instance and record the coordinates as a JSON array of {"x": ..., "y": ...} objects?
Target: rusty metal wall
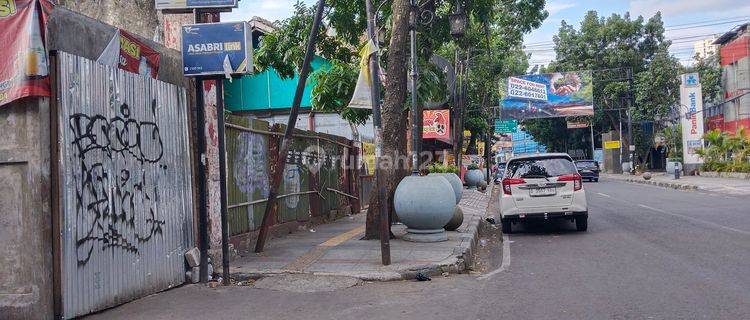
[{"x": 125, "y": 185}]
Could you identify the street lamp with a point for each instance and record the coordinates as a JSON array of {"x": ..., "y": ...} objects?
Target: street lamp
[
  {"x": 458, "y": 23},
  {"x": 419, "y": 15}
]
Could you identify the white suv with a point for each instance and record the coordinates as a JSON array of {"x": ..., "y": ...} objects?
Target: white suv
[{"x": 543, "y": 186}]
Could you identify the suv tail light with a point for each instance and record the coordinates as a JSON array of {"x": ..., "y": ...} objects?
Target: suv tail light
[
  {"x": 576, "y": 178},
  {"x": 507, "y": 182}
]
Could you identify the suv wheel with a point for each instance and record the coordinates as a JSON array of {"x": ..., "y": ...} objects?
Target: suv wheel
[
  {"x": 582, "y": 223},
  {"x": 506, "y": 225}
]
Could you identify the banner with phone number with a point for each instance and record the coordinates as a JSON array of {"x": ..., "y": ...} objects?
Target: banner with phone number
[{"x": 24, "y": 70}]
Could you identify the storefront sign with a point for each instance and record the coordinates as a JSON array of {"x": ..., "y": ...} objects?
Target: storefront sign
[
  {"x": 24, "y": 70},
  {"x": 436, "y": 124},
  {"x": 691, "y": 111},
  {"x": 216, "y": 49},
  {"x": 194, "y": 4}
]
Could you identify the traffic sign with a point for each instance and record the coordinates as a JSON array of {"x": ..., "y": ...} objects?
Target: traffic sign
[{"x": 506, "y": 126}]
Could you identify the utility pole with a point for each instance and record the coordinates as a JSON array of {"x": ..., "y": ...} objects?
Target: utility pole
[
  {"x": 285, "y": 140},
  {"x": 629, "y": 111},
  {"x": 385, "y": 246},
  {"x": 490, "y": 129}
]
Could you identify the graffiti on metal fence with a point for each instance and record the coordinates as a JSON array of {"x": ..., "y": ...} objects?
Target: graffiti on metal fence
[{"x": 117, "y": 142}]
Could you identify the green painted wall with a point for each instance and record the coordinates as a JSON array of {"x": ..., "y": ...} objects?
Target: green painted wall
[{"x": 266, "y": 90}]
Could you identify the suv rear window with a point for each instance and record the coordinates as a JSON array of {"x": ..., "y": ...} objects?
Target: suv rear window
[
  {"x": 587, "y": 164},
  {"x": 541, "y": 167}
]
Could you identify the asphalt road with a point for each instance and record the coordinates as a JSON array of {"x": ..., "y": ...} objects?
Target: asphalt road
[{"x": 650, "y": 253}]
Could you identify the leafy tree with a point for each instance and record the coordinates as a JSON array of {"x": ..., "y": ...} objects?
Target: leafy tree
[
  {"x": 710, "y": 75},
  {"x": 502, "y": 21},
  {"x": 609, "y": 46}
]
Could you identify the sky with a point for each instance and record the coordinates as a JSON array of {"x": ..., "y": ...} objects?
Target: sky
[{"x": 689, "y": 20}]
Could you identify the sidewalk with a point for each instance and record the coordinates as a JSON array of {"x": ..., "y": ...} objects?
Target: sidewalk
[
  {"x": 718, "y": 185},
  {"x": 336, "y": 249}
]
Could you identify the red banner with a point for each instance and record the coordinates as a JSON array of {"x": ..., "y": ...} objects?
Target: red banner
[
  {"x": 436, "y": 124},
  {"x": 24, "y": 69},
  {"x": 130, "y": 54}
]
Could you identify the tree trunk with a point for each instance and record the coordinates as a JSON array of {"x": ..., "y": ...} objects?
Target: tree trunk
[
  {"x": 394, "y": 160},
  {"x": 472, "y": 147}
]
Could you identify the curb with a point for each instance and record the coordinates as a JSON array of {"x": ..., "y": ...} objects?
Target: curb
[
  {"x": 673, "y": 185},
  {"x": 459, "y": 261}
]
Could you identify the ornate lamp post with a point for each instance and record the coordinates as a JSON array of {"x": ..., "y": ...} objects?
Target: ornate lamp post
[{"x": 425, "y": 204}]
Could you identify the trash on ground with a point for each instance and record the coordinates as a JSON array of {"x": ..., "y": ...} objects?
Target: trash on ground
[
  {"x": 482, "y": 242},
  {"x": 423, "y": 277},
  {"x": 491, "y": 220}
]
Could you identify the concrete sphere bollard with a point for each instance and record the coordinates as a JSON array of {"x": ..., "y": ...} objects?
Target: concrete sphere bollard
[
  {"x": 456, "y": 221},
  {"x": 455, "y": 182},
  {"x": 425, "y": 205},
  {"x": 647, "y": 175},
  {"x": 482, "y": 185},
  {"x": 473, "y": 177}
]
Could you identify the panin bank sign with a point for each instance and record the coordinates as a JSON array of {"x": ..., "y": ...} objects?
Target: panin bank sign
[
  {"x": 216, "y": 49},
  {"x": 691, "y": 115}
]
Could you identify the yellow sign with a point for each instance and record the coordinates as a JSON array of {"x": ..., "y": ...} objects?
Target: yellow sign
[
  {"x": 368, "y": 155},
  {"x": 615, "y": 144}
]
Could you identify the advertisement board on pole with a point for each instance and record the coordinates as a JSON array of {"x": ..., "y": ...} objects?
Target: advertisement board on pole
[
  {"x": 691, "y": 108},
  {"x": 562, "y": 94},
  {"x": 194, "y": 4},
  {"x": 216, "y": 49},
  {"x": 436, "y": 124}
]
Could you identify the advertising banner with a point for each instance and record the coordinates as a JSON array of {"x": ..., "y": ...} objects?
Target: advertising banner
[
  {"x": 547, "y": 95},
  {"x": 128, "y": 53},
  {"x": 194, "y": 4},
  {"x": 436, "y": 124},
  {"x": 24, "y": 69},
  {"x": 216, "y": 49},
  {"x": 691, "y": 112}
]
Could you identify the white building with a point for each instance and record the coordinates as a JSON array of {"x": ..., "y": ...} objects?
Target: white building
[{"x": 705, "y": 47}]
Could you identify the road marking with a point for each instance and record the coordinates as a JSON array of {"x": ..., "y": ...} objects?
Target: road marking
[
  {"x": 506, "y": 260},
  {"x": 313, "y": 255},
  {"x": 339, "y": 239},
  {"x": 604, "y": 195},
  {"x": 652, "y": 208},
  {"x": 695, "y": 219}
]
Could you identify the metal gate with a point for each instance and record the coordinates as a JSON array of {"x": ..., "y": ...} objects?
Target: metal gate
[{"x": 125, "y": 185}]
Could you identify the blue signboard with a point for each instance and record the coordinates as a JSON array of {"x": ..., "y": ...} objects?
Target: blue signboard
[
  {"x": 194, "y": 4},
  {"x": 216, "y": 49}
]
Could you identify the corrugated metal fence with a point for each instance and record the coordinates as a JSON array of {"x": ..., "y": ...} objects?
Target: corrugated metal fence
[
  {"x": 314, "y": 168},
  {"x": 125, "y": 185}
]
